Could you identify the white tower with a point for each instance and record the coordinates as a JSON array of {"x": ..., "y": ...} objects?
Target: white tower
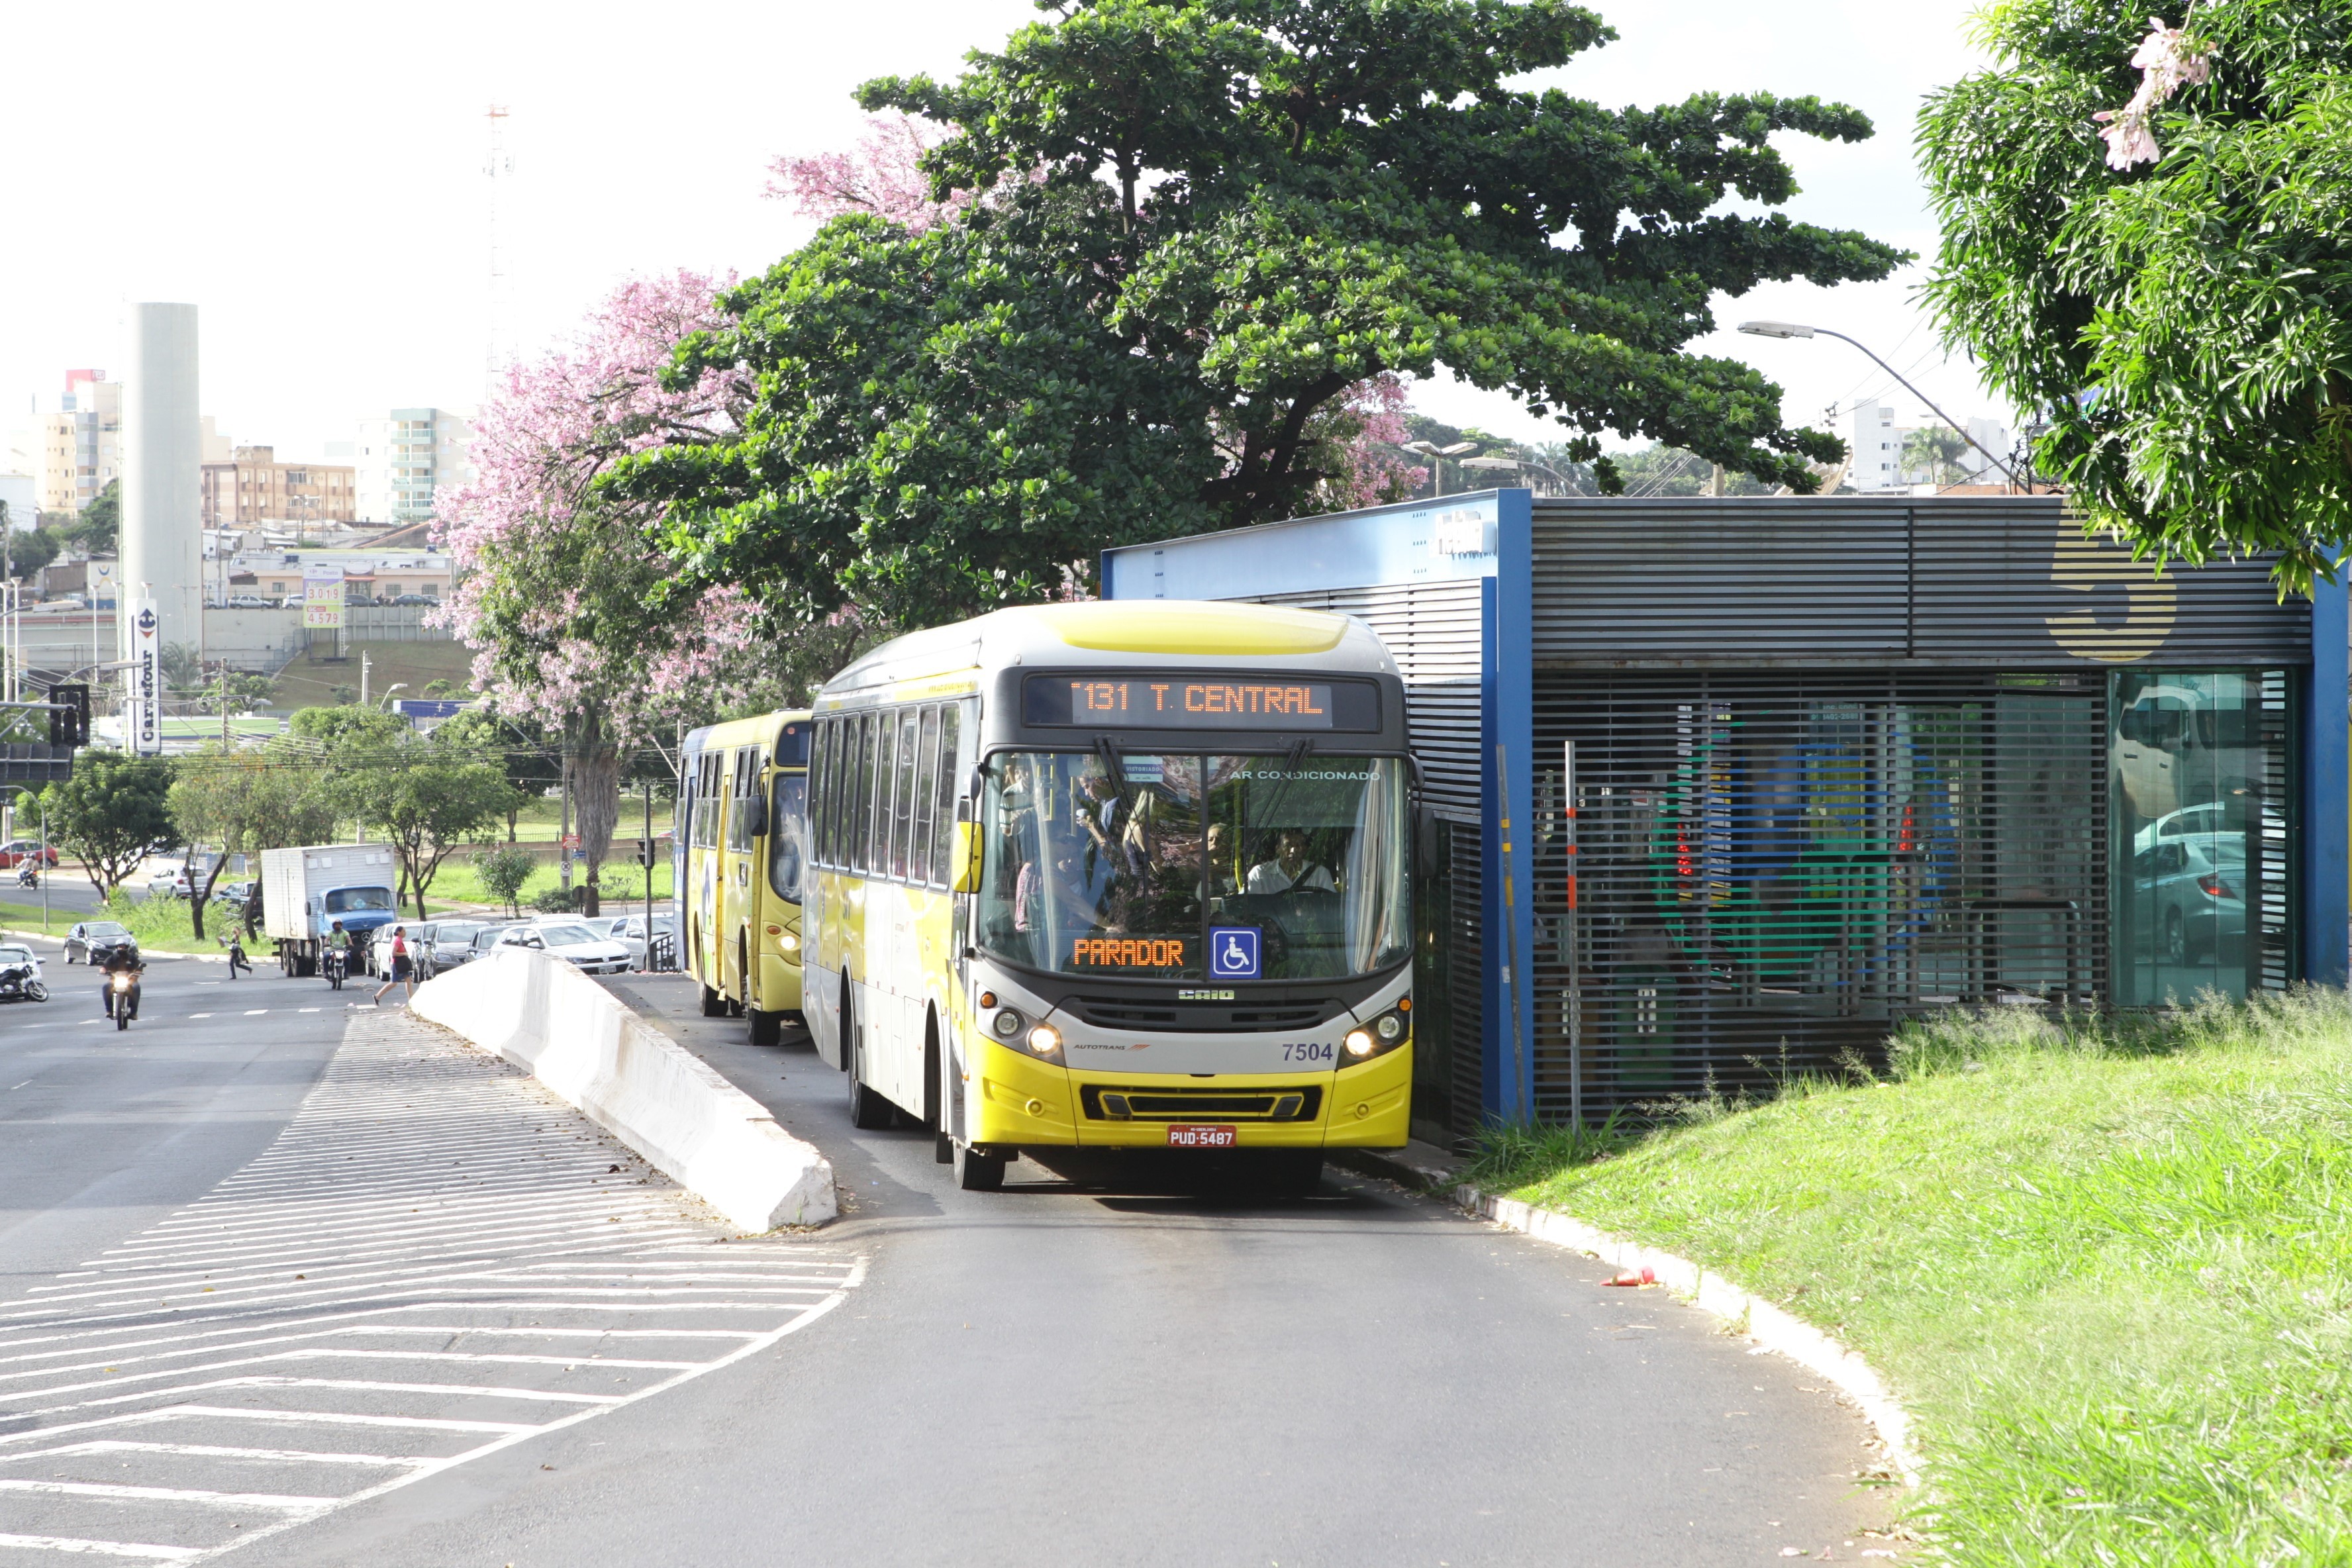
[{"x": 162, "y": 473}]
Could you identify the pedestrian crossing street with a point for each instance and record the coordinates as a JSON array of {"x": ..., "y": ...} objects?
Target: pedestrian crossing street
[{"x": 434, "y": 1261}]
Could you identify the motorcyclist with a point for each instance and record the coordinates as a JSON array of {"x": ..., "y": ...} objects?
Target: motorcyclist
[
  {"x": 28, "y": 873},
  {"x": 122, "y": 959},
  {"x": 338, "y": 946}
]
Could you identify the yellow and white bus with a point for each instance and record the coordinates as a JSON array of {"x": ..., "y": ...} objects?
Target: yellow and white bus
[
  {"x": 1120, "y": 876},
  {"x": 737, "y": 856}
]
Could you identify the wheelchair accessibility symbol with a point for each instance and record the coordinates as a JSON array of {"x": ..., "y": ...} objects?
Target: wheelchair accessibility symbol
[{"x": 1232, "y": 953}]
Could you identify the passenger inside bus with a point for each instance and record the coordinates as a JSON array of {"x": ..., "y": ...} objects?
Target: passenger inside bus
[{"x": 1290, "y": 868}]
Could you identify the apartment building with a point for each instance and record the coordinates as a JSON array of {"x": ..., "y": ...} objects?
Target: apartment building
[
  {"x": 1878, "y": 440},
  {"x": 79, "y": 442},
  {"x": 253, "y": 486},
  {"x": 407, "y": 459}
]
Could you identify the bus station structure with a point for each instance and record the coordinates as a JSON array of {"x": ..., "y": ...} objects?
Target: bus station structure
[{"x": 1727, "y": 789}]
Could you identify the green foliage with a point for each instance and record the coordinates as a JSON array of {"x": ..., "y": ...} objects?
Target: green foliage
[
  {"x": 30, "y": 551},
  {"x": 1934, "y": 450},
  {"x": 558, "y": 899},
  {"x": 1204, "y": 221},
  {"x": 243, "y": 801},
  {"x": 2101, "y": 1261},
  {"x": 2187, "y": 325},
  {"x": 106, "y": 815},
  {"x": 97, "y": 528},
  {"x": 424, "y": 794},
  {"x": 502, "y": 872}
]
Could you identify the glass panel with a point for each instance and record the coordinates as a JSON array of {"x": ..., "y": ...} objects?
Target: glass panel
[
  {"x": 943, "y": 843},
  {"x": 927, "y": 770},
  {"x": 902, "y": 812},
  {"x": 868, "y": 738},
  {"x": 787, "y": 832},
  {"x": 2194, "y": 821},
  {"x": 1302, "y": 871},
  {"x": 886, "y": 790}
]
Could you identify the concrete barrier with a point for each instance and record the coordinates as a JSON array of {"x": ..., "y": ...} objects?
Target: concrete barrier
[{"x": 635, "y": 1082}]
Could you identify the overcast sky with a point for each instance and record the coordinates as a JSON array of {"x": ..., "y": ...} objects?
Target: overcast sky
[{"x": 312, "y": 177}]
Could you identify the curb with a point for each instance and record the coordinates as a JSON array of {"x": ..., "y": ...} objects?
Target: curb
[
  {"x": 16, "y": 934},
  {"x": 600, "y": 1057},
  {"x": 1770, "y": 1327}
]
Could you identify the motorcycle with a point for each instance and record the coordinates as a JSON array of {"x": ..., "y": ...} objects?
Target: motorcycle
[
  {"x": 17, "y": 985},
  {"x": 28, "y": 875},
  {"x": 337, "y": 964},
  {"x": 122, "y": 997}
]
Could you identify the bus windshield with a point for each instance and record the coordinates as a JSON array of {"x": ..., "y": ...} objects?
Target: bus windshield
[{"x": 1165, "y": 865}]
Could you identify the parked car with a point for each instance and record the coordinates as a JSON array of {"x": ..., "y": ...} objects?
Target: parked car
[
  {"x": 415, "y": 599},
  {"x": 2191, "y": 891},
  {"x": 88, "y": 942},
  {"x": 423, "y": 949},
  {"x": 231, "y": 893},
  {"x": 588, "y": 950},
  {"x": 247, "y": 602},
  {"x": 630, "y": 931},
  {"x": 484, "y": 939},
  {"x": 17, "y": 851},
  {"x": 172, "y": 884},
  {"x": 453, "y": 941}
]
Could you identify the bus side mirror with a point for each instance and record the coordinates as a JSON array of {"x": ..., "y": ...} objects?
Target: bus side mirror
[
  {"x": 967, "y": 857},
  {"x": 755, "y": 815},
  {"x": 1427, "y": 829}
]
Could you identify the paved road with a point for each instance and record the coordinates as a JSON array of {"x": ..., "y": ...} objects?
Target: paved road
[
  {"x": 1082, "y": 1368},
  {"x": 405, "y": 1259}
]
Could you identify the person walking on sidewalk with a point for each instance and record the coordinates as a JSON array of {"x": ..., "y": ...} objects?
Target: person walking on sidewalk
[
  {"x": 403, "y": 970},
  {"x": 234, "y": 940}
]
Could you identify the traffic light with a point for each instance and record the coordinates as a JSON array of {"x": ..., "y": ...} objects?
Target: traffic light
[
  {"x": 69, "y": 720},
  {"x": 645, "y": 853}
]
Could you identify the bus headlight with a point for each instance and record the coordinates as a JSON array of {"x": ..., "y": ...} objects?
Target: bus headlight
[
  {"x": 1377, "y": 1036},
  {"x": 1007, "y": 1025},
  {"x": 1045, "y": 1041},
  {"x": 790, "y": 941}
]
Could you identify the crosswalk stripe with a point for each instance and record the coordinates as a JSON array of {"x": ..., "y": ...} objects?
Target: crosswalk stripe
[{"x": 433, "y": 1249}]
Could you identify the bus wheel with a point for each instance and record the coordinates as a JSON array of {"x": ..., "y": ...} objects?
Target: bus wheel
[
  {"x": 867, "y": 1110},
  {"x": 978, "y": 1173},
  {"x": 713, "y": 1004},
  {"x": 767, "y": 1028}
]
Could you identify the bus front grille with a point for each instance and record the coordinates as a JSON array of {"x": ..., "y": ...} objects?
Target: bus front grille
[
  {"x": 1248, "y": 1017},
  {"x": 1111, "y": 1103}
]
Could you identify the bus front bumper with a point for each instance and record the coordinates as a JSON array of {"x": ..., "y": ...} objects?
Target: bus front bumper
[{"x": 1012, "y": 1099}]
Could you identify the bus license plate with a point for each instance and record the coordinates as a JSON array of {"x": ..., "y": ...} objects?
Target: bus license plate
[{"x": 1183, "y": 1137}]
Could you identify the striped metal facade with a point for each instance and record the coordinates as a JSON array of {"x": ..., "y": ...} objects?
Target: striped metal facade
[{"x": 1836, "y": 762}]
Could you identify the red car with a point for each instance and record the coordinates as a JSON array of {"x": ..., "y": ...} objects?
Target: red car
[{"x": 17, "y": 851}]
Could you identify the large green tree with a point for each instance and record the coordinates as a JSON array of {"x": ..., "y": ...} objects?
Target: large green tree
[
  {"x": 1194, "y": 226},
  {"x": 243, "y": 801},
  {"x": 108, "y": 812},
  {"x": 426, "y": 795},
  {"x": 2148, "y": 233}
]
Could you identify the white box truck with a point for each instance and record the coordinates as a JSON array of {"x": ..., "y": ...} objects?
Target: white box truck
[{"x": 304, "y": 891}]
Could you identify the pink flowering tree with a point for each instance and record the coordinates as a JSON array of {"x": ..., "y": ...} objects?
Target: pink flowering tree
[
  {"x": 2167, "y": 60},
  {"x": 572, "y": 614}
]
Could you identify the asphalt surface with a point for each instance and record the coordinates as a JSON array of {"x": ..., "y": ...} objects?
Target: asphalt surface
[{"x": 1098, "y": 1364}]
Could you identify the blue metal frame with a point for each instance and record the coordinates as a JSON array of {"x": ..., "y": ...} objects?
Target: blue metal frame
[
  {"x": 1507, "y": 723},
  {"x": 2326, "y": 833}
]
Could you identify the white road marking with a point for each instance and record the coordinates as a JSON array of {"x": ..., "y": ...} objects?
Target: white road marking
[
  {"x": 258, "y": 1012},
  {"x": 208, "y": 1015},
  {"x": 306, "y": 1009},
  {"x": 100, "y": 1548},
  {"x": 427, "y": 1206},
  {"x": 166, "y": 1494}
]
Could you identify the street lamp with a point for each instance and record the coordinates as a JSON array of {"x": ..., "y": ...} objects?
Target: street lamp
[
  {"x": 1791, "y": 330},
  {"x": 1437, "y": 456}
]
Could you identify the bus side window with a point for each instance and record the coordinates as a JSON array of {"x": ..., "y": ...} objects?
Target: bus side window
[
  {"x": 902, "y": 813},
  {"x": 927, "y": 769},
  {"x": 820, "y": 753},
  {"x": 886, "y": 780},
  {"x": 944, "y": 791},
  {"x": 869, "y": 743},
  {"x": 836, "y": 746}
]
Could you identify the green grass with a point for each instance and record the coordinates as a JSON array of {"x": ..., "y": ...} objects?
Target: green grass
[
  {"x": 2107, "y": 1266},
  {"x": 162, "y": 925},
  {"x": 457, "y": 883}
]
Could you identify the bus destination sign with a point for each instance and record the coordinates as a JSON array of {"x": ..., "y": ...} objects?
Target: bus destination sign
[
  {"x": 1127, "y": 953},
  {"x": 1198, "y": 702}
]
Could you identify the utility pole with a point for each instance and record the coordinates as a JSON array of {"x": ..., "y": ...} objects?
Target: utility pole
[
  {"x": 363, "y": 676},
  {"x": 563, "y": 832},
  {"x": 648, "y": 859}
]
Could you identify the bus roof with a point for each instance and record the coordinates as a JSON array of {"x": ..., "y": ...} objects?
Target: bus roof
[
  {"x": 1113, "y": 634},
  {"x": 760, "y": 729}
]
